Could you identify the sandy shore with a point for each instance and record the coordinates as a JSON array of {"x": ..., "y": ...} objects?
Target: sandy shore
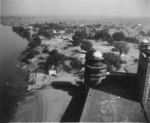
[{"x": 47, "y": 104}]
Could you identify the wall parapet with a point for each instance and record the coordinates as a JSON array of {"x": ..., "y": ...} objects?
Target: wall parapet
[{"x": 144, "y": 70}]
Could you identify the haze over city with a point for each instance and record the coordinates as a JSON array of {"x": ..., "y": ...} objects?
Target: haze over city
[{"x": 119, "y": 8}]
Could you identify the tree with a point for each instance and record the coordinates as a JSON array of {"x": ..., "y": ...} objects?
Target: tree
[
  {"x": 44, "y": 33},
  {"x": 86, "y": 45},
  {"x": 122, "y": 47},
  {"x": 118, "y": 36},
  {"x": 131, "y": 39},
  {"x": 76, "y": 64},
  {"x": 103, "y": 34},
  {"x": 32, "y": 44},
  {"x": 110, "y": 40},
  {"x": 142, "y": 33},
  {"x": 112, "y": 61},
  {"x": 76, "y": 40},
  {"x": 90, "y": 35},
  {"x": 82, "y": 34},
  {"x": 45, "y": 50},
  {"x": 55, "y": 58},
  {"x": 37, "y": 40},
  {"x": 90, "y": 52},
  {"x": 148, "y": 33},
  {"x": 21, "y": 32}
]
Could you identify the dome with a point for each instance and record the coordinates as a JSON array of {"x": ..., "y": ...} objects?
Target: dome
[
  {"x": 98, "y": 55},
  {"x": 148, "y": 48},
  {"x": 145, "y": 41}
]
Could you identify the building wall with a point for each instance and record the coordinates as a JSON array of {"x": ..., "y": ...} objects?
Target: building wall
[{"x": 144, "y": 75}]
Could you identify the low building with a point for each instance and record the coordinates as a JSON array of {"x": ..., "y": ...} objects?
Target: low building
[
  {"x": 61, "y": 32},
  {"x": 52, "y": 72}
]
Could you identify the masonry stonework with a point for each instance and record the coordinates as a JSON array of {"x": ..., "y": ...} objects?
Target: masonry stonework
[
  {"x": 95, "y": 69},
  {"x": 144, "y": 71}
]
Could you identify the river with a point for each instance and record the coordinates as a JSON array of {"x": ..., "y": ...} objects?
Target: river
[{"x": 11, "y": 46}]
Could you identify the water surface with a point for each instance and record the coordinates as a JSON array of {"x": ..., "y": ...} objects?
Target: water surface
[{"x": 11, "y": 46}]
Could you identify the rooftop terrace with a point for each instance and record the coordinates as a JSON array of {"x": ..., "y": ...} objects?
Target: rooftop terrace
[{"x": 116, "y": 99}]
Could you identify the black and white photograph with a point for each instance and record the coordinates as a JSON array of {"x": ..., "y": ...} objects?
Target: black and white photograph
[{"x": 74, "y": 61}]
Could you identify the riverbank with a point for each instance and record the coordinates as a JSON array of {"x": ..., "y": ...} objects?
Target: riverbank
[{"x": 50, "y": 103}]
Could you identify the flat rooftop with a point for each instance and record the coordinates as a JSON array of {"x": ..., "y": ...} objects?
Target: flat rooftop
[{"x": 116, "y": 99}]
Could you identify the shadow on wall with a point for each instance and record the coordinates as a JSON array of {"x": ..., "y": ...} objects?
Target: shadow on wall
[
  {"x": 78, "y": 93},
  {"x": 123, "y": 86}
]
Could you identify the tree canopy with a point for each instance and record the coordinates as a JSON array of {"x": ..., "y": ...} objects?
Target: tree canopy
[
  {"x": 112, "y": 61},
  {"x": 86, "y": 45},
  {"x": 110, "y": 40},
  {"x": 103, "y": 34},
  {"x": 81, "y": 34},
  {"x": 55, "y": 58},
  {"x": 131, "y": 39},
  {"x": 76, "y": 64},
  {"x": 21, "y": 32},
  {"x": 76, "y": 40},
  {"x": 49, "y": 26},
  {"x": 44, "y": 33},
  {"x": 122, "y": 47},
  {"x": 37, "y": 40},
  {"x": 118, "y": 36}
]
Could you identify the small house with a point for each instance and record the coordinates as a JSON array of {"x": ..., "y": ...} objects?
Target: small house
[{"x": 52, "y": 72}]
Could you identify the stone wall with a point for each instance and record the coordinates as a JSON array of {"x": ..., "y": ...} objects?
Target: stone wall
[{"x": 144, "y": 71}]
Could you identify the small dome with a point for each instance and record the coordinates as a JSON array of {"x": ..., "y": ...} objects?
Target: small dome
[
  {"x": 148, "y": 48},
  {"x": 145, "y": 41},
  {"x": 97, "y": 54}
]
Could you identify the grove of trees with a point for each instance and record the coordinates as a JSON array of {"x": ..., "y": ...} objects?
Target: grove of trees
[
  {"x": 34, "y": 43},
  {"x": 55, "y": 58},
  {"x": 43, "y": 32},
  {"x": 122, "y": 47},
  {"x": 81, "y": 34},
  {"x": 113, "y": 62},
  {"x": 103, "y": 35},
  {"x": 49, "y": 26},
  {"x": 21, "y": 32}
]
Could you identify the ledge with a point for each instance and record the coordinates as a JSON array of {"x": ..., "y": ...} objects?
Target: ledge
[{"x": 146, "y": 107}]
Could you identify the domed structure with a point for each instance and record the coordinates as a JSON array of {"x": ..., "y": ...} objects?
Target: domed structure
[
  {"x": 148, "y": 48},
  {"x": 144, "y": 45},
  {"x": 95, "y": 69},
  {"x": 97, "y": 55},
  {"x": 145, "y": 41}
]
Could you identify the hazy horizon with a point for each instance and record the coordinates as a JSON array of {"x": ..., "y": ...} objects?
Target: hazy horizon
[{"x": 97, "y": 8}]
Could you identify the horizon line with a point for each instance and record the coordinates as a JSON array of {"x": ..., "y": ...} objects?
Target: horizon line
[{"x": 24, "y": 15}]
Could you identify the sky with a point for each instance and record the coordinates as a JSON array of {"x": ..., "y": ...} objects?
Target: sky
[{"x": 119, "y": 8}]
